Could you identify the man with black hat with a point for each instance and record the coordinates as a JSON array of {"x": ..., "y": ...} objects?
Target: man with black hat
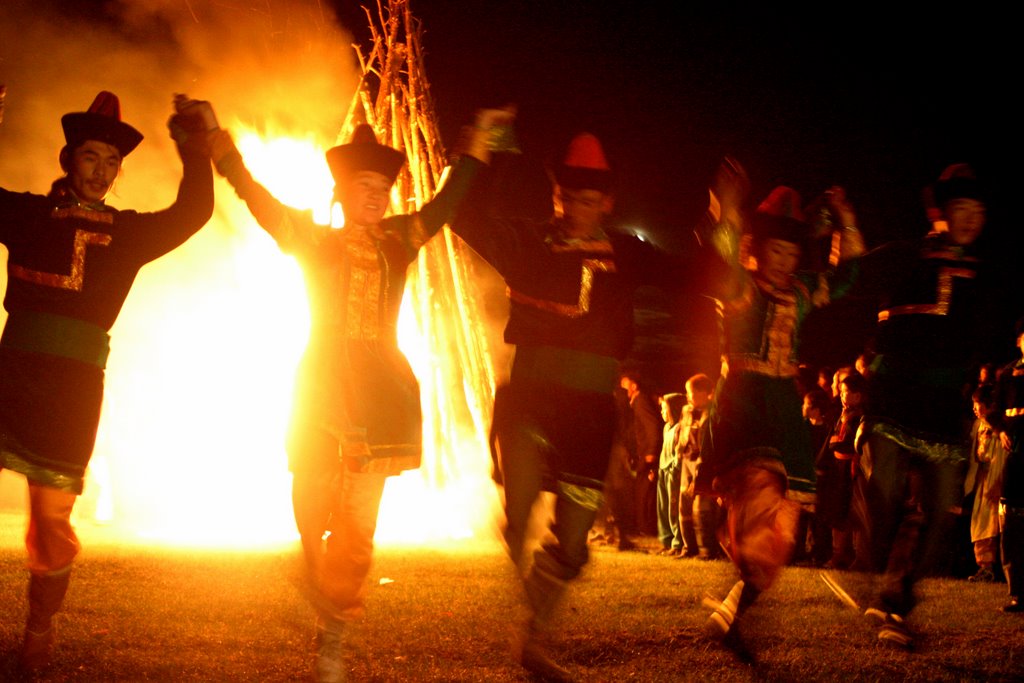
[
  {"x": 356, "y": 417},
  {"x": 570, "y": 281},
  {"x": 72, "y": 260},
  {"x": 935, "y": 298},
  {"x": 756, "y": 453}
]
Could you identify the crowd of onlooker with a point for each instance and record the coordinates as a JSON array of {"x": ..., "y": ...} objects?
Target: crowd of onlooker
[{"x": 658, "y": 456}]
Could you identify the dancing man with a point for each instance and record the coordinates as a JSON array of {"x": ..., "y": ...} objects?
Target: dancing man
[
  {"x": 356, "y": 418},
  {"x": 72, "y": 261}
]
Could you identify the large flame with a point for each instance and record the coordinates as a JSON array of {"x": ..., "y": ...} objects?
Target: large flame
[
  {"x": 198, "y": 389},
  {"x": 209, "y": 341}
]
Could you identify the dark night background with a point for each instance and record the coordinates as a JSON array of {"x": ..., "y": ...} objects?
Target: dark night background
[{"x": 836, "y": 95}]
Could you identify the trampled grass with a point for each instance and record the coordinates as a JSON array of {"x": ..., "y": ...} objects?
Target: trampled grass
[{"x": 138, "y": 613}]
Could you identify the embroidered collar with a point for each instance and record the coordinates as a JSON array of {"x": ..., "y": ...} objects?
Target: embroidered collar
[{"x": 67, "y": 199}]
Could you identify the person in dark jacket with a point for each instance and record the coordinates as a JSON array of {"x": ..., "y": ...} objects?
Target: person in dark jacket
[
  {"x": 571, "y": 280},
  {"x": 935, "y": 296}
]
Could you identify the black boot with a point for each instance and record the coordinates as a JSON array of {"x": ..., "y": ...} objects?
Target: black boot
[
  {"x": 45, "y": 596},
  {"x": 544, "y": 591},
  {"x": 330, "y": 661},
  {"x": 707, "y": 535}
]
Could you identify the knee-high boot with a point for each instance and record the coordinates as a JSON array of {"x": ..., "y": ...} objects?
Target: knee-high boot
[
  {"x": 544, "y": 592},
  {"x": 45, "y": 597},
  {"x": 330, "y": 661}
]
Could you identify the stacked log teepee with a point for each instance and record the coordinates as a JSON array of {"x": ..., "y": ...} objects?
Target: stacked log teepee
[{"x": 458, "y": 381}]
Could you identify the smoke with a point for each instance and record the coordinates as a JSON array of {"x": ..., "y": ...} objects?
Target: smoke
[
  {"x": 199, "y": 378},
  {"x": 280, "y": 61},
  {"x": 198, "y": 386}
]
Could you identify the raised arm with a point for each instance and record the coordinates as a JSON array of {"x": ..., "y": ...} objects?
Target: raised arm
[
  {"x": 475, "y": 148},
  {"x": 162, "y": 231},
  {"x": 723, "y": 229},
  {"x": 271, "y": 214}
]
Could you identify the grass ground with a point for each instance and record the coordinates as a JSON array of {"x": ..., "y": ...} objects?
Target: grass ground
[{"x": 137, "y": 613}]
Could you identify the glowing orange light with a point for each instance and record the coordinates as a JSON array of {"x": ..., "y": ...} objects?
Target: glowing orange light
[{"x": 227, "y": 317}]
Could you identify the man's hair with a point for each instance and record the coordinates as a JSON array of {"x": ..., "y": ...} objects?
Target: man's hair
[
  {"x": 700, "y": 382},
  {"x": 855, "y": 383},
  {"x": 818, "y": 399},
  {"x": 985, "y": 396}
]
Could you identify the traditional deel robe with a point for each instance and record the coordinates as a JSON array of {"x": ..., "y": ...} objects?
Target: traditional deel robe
[
  {"x": 571, "y": 319},
  {"x": 756, "y": 412},
  {"x": 935, "y": 315},
  {"x": 985, "y": 479},
  {"x": 353, "y": 381},
  {"x": 70, "y": 268}
]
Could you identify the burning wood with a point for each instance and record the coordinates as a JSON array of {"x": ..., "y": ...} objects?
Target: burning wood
[{"x": 453, "y": 350}]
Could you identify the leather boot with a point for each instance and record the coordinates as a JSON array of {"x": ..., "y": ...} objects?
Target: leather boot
[
  {"x": 45, "y": 596},
  {"x": 330, "y": 663},
  {"x": 544, "y": 591}
]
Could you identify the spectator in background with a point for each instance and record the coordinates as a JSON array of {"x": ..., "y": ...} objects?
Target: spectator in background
[
  {"x": 643, "y": 439},
  {"x": 836, "y": 407},
  {"x": 698, "y": 512},
  {"x": 840, "y": 488},
  {"x": 984, "y": 483},
  {"x": 825, "y": 379},
  {"x": 669, "y": 533},
  {"x": 1009, "y": 416},
  {"x": 817, "y": 405},
  {"x": 614, "y": 524}
]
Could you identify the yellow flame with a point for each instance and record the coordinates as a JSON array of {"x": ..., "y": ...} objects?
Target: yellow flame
[{"x": 226, "y": 318}]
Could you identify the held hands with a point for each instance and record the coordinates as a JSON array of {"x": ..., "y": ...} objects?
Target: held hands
[
  {"x": 837, "y": 202},
  {"x": 187, "y": 126},
  {"x": 192, "y": 123},
  {"x": 491, "y": 132},
  {"x": 187, "y": 131},
  {"x": 851, "y": 242},
  {"x": 222, "y": 150},
  {"x": 729, "y": 192}
]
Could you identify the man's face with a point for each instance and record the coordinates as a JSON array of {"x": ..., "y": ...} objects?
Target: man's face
[
  {"x": 777, "y": 260},
  {"x": 810, "y": 412},
  {"x": 583, "y": 211},
  {"x": 850, "y": 399},
  {"x": 364, "y": 198},
  {"x": 698, "y": 399},
  {"x": 92, "y": 169},
  {"x": 966, "y": 218},
  {"x": 837, "y": 381}
]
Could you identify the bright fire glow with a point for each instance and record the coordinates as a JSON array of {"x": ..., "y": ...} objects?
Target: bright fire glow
[{"x": 208, "y": 343}]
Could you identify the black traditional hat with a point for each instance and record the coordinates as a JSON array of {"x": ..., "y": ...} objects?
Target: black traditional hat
[
  {"x": 781, "y": 217},
  {"x": 364, "y": 153},
  {"x": 584, "y": 166},
  {"x": 957, "y": 182},
  {"x": 101, "y": 122}
]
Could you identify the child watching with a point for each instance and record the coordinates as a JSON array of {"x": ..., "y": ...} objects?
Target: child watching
[
  {"x": 985, "y": 480},
  {"x": 668, "y": 477},
  {"x": 698, "y": 514}
]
